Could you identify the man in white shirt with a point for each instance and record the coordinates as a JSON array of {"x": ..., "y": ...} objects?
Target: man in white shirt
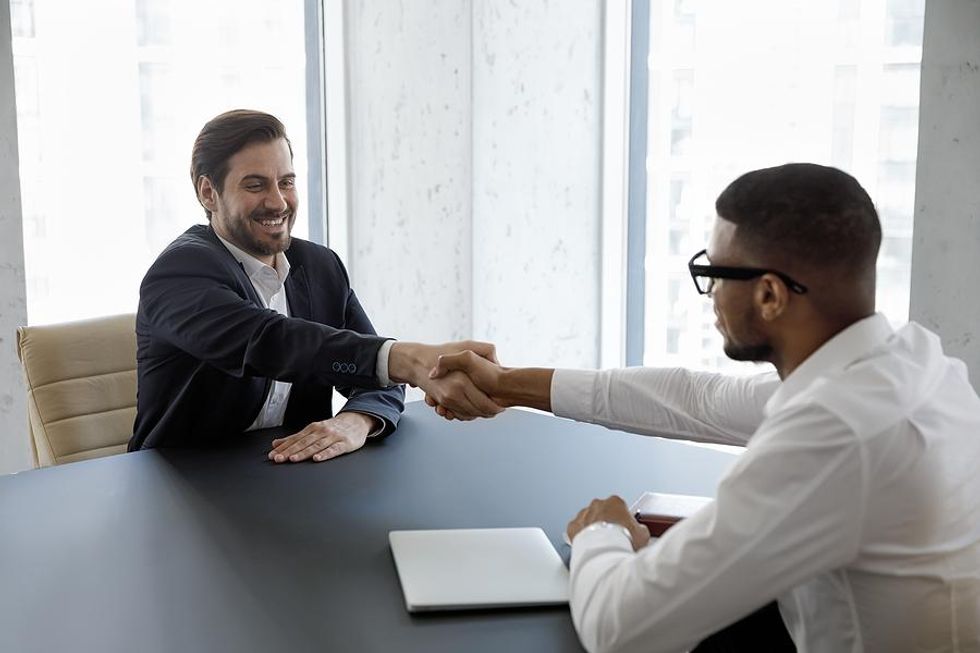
[{"x": 856, "y": 503}]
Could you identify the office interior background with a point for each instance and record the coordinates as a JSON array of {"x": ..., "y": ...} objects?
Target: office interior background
[{"x": 535, "y": 173}]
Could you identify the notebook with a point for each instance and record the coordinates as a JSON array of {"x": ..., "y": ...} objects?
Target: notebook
[
  {"x": 478, "y": 568},
  {"x": 659, "y": 511}
]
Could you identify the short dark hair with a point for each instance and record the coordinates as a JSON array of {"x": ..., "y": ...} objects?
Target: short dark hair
[
  {"x": 225, "y": 135},
  {"x": 815, "y": 215}
]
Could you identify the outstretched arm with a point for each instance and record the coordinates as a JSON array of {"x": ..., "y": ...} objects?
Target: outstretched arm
[{"x": 669, "y": 402}]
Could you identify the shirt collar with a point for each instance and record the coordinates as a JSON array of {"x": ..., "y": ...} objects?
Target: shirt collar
[
  {"x": 834, "y": 355},
  {"x": 254, "y": 267}
]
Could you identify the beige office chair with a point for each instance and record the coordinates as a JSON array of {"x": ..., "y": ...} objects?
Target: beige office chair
[{"x": 81, "y": 387}]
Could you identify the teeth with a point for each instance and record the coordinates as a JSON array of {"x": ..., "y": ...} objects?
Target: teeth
[{"x": 272, "y": 223}]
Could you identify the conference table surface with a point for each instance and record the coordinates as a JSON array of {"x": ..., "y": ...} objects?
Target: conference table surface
[{"x": 219, "y": 549}]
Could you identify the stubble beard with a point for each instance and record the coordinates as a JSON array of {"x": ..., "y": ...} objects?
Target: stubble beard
[
  {"x": 754, "y": 348},
  {"x": 759, "y": 353},
  {"x": 254, "y": 245}
]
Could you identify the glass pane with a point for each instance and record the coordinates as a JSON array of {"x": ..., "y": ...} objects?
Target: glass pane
[
  {"x": 22, "y": 18},
  {"x": 740, "y": 86},
  {"x": 110, "y": 96}
]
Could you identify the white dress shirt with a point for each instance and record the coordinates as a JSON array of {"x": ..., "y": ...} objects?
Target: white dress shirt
[
  {"x": 856, "y": 502},
  {"x": 269, "y": 283}
]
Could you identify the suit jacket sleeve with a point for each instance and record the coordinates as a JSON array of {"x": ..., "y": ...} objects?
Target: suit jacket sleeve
[
  {"x": 195, "y": 301},
  {"x": 386, "y": 404}
]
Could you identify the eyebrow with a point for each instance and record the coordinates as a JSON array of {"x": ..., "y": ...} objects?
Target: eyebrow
[{"x": 255, "y": 177}]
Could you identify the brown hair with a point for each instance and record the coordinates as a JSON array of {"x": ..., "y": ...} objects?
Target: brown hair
[{"x": 225, "y": 135}]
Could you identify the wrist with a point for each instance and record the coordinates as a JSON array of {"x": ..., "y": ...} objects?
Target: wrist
[
  {"x": 609, "y": 526},
  {"x": 527, "y": 386},
  {"x": 362, "y": 421},
  {"x": 404, "y": 362}
]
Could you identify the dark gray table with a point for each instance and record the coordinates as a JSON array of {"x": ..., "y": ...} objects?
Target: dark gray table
[{"x": 220, "y": 550}]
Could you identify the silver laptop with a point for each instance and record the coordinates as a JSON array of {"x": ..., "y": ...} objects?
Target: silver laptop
[{"x": 478, "y": 568}]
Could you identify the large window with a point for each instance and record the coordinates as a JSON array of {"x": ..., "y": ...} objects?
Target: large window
[
  {"x": 110, "y": 96},
  {"x": 728, "y": 87}
]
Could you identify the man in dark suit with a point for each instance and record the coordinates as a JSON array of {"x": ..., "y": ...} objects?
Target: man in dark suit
[{"x": 241, "y": 327}]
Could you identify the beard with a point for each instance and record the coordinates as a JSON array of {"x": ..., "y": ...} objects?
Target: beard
[
  {"x": 753, "y": 353},
  {"x": 244, "y": 238},
  {"x": 751, "y": 345}
]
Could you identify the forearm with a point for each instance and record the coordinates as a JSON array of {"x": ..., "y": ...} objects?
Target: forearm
[
  {"x": 529, "y": 386},
  {"x": 627, "y": 602},
  {"x": 792, "y": 507},
  {"x": 665, "y": 401},
  {"x": 239, "y": 338}
]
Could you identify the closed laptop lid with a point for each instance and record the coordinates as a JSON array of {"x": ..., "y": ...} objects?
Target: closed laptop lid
[{"x": 478, "y": 568}]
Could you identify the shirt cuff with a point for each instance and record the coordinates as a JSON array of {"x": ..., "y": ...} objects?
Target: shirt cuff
[
  {"x": 595, "y": 541},
  {"x": 381, "y": 367},
  {"x": 572, "y": 393}
]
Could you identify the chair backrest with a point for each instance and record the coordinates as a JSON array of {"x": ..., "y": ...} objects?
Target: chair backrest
[{"x": 81, "y": 387}]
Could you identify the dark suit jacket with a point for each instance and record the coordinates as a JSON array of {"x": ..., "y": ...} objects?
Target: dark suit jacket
[{"x": 207, "y": 350}]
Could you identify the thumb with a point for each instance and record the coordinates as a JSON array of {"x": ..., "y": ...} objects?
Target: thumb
[
  {"x": 485, "y": 350},
  {"x": 447, "y": 363}
]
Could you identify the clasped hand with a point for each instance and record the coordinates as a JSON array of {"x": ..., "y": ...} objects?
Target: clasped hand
[
  {"x": 451, "y": 388},
  {"x": 466, "y": 368},
  {"x": 612, "y": 510}
]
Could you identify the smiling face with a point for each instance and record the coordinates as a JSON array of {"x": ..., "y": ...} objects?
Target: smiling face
[
  {"x": 256, "y": 207},
  {"x": 745, "y": 338}
]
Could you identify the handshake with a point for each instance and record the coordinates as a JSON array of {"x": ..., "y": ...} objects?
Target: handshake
[{"x": 464, "y": 380}]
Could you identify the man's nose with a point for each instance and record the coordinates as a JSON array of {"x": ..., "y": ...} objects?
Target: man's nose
[{"x": 275, "y": 200}]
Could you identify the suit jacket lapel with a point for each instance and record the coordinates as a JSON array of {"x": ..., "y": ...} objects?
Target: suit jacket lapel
[
  {"x": 239, "y": 269},
  {"x": 298, "y": 293}
]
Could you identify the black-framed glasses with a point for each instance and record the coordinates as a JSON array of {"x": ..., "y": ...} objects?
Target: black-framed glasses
[{"x": 704, "y": 274}]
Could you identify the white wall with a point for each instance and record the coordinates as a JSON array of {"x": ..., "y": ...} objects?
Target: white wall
[
  {"x": 14, "y": 451},
  {"x": 536, "y": 161},
  {"x": 474, "y": 185},
  {"x": 410, "y": 162},
  {"x": 946, "y": 249}
]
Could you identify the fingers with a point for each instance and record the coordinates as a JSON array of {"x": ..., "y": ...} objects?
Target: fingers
[
  {"x": 462, "y": 399},
  {"x": 320, "y": 450},
  {"x": 611, "y": 509},
  {"x": 444, "y": 364},
  {"x": 338, "y": 448},
  {"x": 484, "y": 349},
  {"x": 577, "y": 524},
  {"x": 318, "y": 441},
  {"x": 468, "y": 362},
  {"x": 449, "y": 363},
  {"x": 484, "y": 404},
  {"x": 457, "y": 393},
  {"x": 323, "y": 447},
  {"x": 448, "y": 414},
  {"x": 282, "y": 448},
  {"x": 440, "y": 410}
]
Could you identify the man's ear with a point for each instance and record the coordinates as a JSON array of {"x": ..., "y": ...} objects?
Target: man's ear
[
  {"x": 771, "y": 297},
  {"x": 207, "y": 194}
]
